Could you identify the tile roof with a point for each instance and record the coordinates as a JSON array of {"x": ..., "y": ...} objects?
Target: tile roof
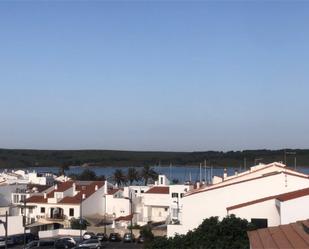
[
  {"x": 112, "y": 191},
  {"x": 246, "y": 180},
  {"x": 87, "y": 191},
  {"x": 124, "y": 218},
  {"x": 158, "y": 190},
  {"x": 36, "y": 199},
  {"x": 294, "y": 235},
  {"x": 281, "y": 197}
]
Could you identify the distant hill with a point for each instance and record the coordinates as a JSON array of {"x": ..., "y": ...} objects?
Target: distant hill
[{"x": 12, "y": 158}]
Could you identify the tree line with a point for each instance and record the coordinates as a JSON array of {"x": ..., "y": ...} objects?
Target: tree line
[{"x": 119, "y": 176}]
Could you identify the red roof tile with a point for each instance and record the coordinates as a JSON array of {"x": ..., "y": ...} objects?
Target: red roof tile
[
  {"x": 36, "y": 199},
  {"x": 158, "y": 190},
  {"x": 281, "y": 197},
  {"x": 284, "y": 236},
  {"x": 88, "y": 191},
  {"x": 124, "y": 218}
]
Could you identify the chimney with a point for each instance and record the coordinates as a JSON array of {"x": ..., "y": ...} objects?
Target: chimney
[
  {"x": 56, "y": 186},
  {"x": 84, "y": 196},
  {"x": 197, "y": 185},
  {"x": 74, "y": 186},
  {"x": 224, "y": 174},
  {"x": 45, "y": 195},
  {"x": 105, "y": 187},
  {"x": 236, "y": 172},
  {"x": 96, "y": 187}
]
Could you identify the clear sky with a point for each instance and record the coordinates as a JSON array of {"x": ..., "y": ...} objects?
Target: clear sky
[{"x": 160, "y": 75}]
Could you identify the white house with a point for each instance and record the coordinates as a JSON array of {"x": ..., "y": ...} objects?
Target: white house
[
  {"x": 275, "y": 210},
  {"x": 54, "y": 207},
  {"x": 258, "y": 182}
]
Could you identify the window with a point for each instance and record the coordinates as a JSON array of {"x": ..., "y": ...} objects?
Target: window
[
  {"x": 165, "y": 209},
  {"x": 22, "y": 198},
  {"x": 71, "y": 212},
  {"x": 135, "y": 191},
  {"x": 15, "y": 198},
  {"x": 174, "y": 195},
  {"x": 142, "y": 191},
  {"x": 161, "y": 180},
  {"x": 42, "y": 209},
  {"x": 259, "y": 223},
  {"x": 181, "y": 195}
]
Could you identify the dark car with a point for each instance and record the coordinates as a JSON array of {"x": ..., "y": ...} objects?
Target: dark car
[
  {"x": 140, "y": 239},
  {"x": 114, "y": 237},
  {"x": 102, "y": 236},
  {"x": 128, "y": 237},
  {"x": 42, "y": 244},
  {"x": 88, "y": 235},
  {"x": 65, "y": 243}
]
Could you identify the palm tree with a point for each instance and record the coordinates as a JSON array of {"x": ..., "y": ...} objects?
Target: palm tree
[
  {"x": 132, "y": 175},
  {"x": 119, "y": 177},
  {"x": 148, "y": 173}
]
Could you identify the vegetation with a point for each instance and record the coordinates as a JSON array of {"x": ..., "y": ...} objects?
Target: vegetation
[
  {"x": 119, "y": 177},
  {"x": 79, "y": 224},
  {"x": 148, "y": 173},
  {"x": 230, "y": 233},
  {"x": 11, "y": 158},
  {"x": 87, "y": 175},
  {"x": 133, "y": 175}
]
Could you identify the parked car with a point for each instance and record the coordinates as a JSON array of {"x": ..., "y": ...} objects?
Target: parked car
[
  {"x": 40, "y": 244},
  {"x": 102, "y": 236},
  {"x": 66, "y": 242},
  {"x": 140, "y": 239},
  {"x": 88, "y": 235},
  {"x": 128, "y": 237},
  {"x": 2, "y": 242},
  {"x": 114, "y": 237},
  {"x": 90, "y": 243}
]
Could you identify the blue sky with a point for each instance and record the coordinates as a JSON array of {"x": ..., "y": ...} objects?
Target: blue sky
[{"x": 160, "y": 75}]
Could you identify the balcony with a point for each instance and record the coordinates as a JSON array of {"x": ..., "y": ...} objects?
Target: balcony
[{"x": 55, "y": 217}]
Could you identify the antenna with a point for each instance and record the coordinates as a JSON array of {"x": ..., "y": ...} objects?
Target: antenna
[{"x": 200, "y": 172}]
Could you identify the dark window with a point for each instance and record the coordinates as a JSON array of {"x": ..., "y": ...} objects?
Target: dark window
[
  {"x": 161, "y": 180},
  {"x": 142, "y": 191},
  {"x": 135, "y": 191},
  {"x": 165, "y": 209},
  {"x": 259, "y": 223},
  {"x": 181, "y": 195},
  {"x": 71, "y": 211},
  {"x": 42, "y": 209},
  {"x": 174, "y": 195}
]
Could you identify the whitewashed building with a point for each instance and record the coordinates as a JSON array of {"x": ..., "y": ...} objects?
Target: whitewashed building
[
  {"x": 259, "y": 182},
  {"x": 55, "y": 207}
]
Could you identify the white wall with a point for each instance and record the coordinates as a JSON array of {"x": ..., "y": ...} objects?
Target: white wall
[
  {"x": 15, "y": 225},
  {"x": 117, "y": 206},
  {"x": 262, "y": 210},
  {"x": 294, "y": 210},
  {"x": 94, "y": 204},
  {"x": 202, "y": 205}
]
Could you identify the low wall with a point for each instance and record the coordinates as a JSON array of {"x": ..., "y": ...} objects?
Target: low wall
[{"x": 60, "y": 232}]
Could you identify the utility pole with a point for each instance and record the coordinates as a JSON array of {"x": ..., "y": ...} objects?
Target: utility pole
[
  {"x": 6, "y": 229},
  {"x": 25, "y": 221},
  {"x": 80, "y": 216},
  {"x": 131, "y": 209}
]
